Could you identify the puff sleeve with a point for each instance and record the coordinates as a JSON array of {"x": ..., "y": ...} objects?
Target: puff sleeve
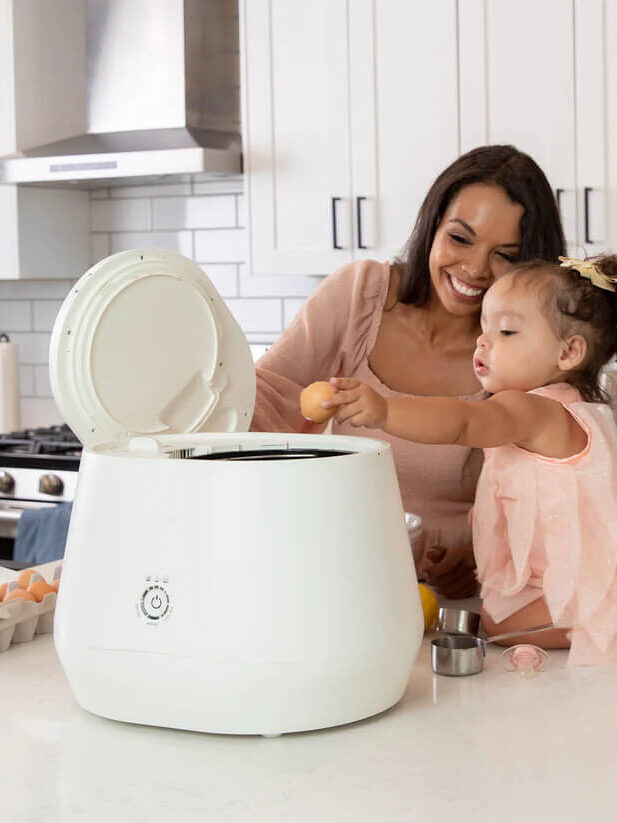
[{"x": 327, "y": 337}]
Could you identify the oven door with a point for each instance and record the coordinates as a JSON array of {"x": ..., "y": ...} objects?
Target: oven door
[{"x": 10, "y": 512}]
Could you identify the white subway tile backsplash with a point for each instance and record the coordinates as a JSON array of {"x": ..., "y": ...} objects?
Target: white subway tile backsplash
[
  {"x": 33, "y": 347},
  {"x": 100, "y": 247},
  {"x": 204, "y": 184},
  {"x": 224, "y": 277},
  {"x": 15, "y": 315},
  {"x": 120, "y": 215},
  {"x": 241, "y": 211},
  {"x": 290, "y": 309},
  {"x": 34, "y": 289},
  {"x": 220, "y": 246},
  {"x": 179, "y": 188},
  {"x": 42, "y": 386},
  {"x": 26, "y": 381},
  {"x": 39, "y": 411},
  {"x": 45, "y": 312},
  {"x": 194, "y": 212},
  {"x": 276, "y": 286},
  {"x": 257, "y": 349},
  {"x": 180, "y": 241},
  {"x": 257, "y": 315},
  {"x": 200, "y": 217}
]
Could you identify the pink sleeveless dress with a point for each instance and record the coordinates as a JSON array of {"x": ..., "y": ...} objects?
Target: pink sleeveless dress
[{"x": 544, "y": 527}]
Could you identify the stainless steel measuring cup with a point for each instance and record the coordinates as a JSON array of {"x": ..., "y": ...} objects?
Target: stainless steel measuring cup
[
  {"x": 459, "y": 655},
  {"x": 458, "y": 621}
]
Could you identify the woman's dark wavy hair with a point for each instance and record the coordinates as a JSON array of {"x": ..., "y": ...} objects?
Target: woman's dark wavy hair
[
  {"x": 573, "y": 305},
  {"x": 523, "y": 181}
]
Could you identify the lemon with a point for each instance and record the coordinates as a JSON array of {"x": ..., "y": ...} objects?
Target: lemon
[{"x": 430, "y": 607}]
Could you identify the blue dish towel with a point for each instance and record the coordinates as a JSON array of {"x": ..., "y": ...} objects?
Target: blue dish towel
[{"x": 41, "y": 534}]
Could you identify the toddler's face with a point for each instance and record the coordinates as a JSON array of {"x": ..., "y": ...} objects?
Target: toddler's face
[{"x": 518, "y": 348}]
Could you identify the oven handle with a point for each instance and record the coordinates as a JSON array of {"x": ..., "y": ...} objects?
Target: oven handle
[{"x": 10, "y": 514}]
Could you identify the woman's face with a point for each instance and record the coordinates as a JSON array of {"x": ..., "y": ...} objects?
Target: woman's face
[{"x": 477, "y": 240}]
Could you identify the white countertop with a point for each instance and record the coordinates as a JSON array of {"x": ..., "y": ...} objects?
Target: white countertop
[{"x": 492, "y": 747}]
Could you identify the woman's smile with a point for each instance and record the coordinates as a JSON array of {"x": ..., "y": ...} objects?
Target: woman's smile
[{"x": 464, "y": 290}]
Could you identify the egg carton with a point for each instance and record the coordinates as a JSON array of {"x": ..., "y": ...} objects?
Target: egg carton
[{"x": 20, "y": 620}]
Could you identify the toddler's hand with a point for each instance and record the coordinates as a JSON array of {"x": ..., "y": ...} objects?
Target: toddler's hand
[{"x": 357, "y": 403}]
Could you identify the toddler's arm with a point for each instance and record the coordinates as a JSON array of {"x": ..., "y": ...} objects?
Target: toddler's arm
[{"x": 536, "y": 423}]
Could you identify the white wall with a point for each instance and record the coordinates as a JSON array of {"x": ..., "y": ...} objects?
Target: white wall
[{"x": 200, "y": 219}]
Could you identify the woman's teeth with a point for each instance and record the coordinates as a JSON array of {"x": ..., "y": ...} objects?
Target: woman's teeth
[{"x": 462, "y": 288}]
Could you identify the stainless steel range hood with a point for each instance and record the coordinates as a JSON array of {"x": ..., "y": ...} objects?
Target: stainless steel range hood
[{"x": 160, "y": 96}]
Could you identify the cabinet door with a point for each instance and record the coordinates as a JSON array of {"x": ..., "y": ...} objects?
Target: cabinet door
[
  {"x": 7, "y": 86},
  {"x": 592, "y": 52},
  {"x": 404, "y": 114},
  {"x": 296, "y": 135},
  {"x": 610, "y": 37},
  {"x": 517, "y": 86}
]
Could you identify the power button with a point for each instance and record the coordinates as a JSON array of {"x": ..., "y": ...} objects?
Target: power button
[{"x": 154, "y": 603}]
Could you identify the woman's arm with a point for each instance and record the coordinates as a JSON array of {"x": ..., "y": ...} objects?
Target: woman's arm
[
  {"x": 450, "y": 570},
  {"x": 536, "y": 423},
  {"x": 313, "y": 347}
]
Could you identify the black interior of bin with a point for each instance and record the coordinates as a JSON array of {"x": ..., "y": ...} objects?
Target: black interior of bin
[{"x": 271, "y": 454}]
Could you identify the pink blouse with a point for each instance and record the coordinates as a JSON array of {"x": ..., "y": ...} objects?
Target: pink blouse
[{"x": 333, "y": 335}]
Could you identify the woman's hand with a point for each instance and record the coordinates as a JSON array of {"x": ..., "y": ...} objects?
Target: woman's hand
[
  {"x": 357, "y": 403},
  {"x": 450, "y": 571}
]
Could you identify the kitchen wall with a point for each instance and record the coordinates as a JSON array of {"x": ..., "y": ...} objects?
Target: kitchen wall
[{"x": 198, "y": 218}]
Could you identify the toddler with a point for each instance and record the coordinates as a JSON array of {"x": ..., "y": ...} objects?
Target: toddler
[{"x": 545, "y": 515}]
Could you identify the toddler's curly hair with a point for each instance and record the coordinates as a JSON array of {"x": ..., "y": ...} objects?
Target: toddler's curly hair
[{"x": 573, "y": 305}]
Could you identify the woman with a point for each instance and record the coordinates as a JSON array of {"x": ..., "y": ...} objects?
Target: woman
[{"x": 410, "y": 326}]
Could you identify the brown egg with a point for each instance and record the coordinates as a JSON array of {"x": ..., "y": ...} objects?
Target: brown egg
[
  {"x": 19, "y": 594},
  {"x": 55, "y": 584},
  {"x": 39, "y": 589},
  {"x": 3, "y": 588},
  {"x": 310, "y": 401},
  {"x": 23, "y": 578}
]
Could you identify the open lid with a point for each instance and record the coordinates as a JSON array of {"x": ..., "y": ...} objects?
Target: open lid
[{"x": 145, "y": 345}]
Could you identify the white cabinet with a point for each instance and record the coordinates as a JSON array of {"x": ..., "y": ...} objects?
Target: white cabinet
[
  {"x": 296, "y": 137},
  {"x": 38, "y": 105},
  {"x": 404, "y": 114},
  {"x": 535, "y": 75},
  {"x": 44, "y": 233},
  {"x": 350, "y": 110},
  {"x": 594, "y": 52}
]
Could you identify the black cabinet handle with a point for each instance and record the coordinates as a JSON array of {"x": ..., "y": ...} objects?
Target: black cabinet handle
[
  {"x": 335, "y": 243},
  {"x": 359, "y": 201},
  {"x": 588, "y": 239},
  {"x": 558, "y": 193}
]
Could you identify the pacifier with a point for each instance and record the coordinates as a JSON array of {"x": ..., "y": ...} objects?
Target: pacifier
[{"x": 525, "y": 659}]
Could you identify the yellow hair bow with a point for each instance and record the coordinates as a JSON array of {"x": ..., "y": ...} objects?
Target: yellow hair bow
[{"x": 589, "y": 270}]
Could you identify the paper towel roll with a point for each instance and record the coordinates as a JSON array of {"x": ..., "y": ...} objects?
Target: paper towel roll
[{"x": 9, "y": 386}]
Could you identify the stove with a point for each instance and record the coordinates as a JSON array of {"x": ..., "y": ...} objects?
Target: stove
[{"x": 38, "y": 469}]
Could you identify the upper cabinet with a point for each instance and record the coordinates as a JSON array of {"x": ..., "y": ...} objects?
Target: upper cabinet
[
  {"x": 44, "y": 233},
  {"x": 541, "y": 77},
  {"x": 38, "y": 104},
  {"x": 350, "y": 110}
]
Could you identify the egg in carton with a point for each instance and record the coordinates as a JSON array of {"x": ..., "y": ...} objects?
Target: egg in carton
[{"x": 21, "y": 619}]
